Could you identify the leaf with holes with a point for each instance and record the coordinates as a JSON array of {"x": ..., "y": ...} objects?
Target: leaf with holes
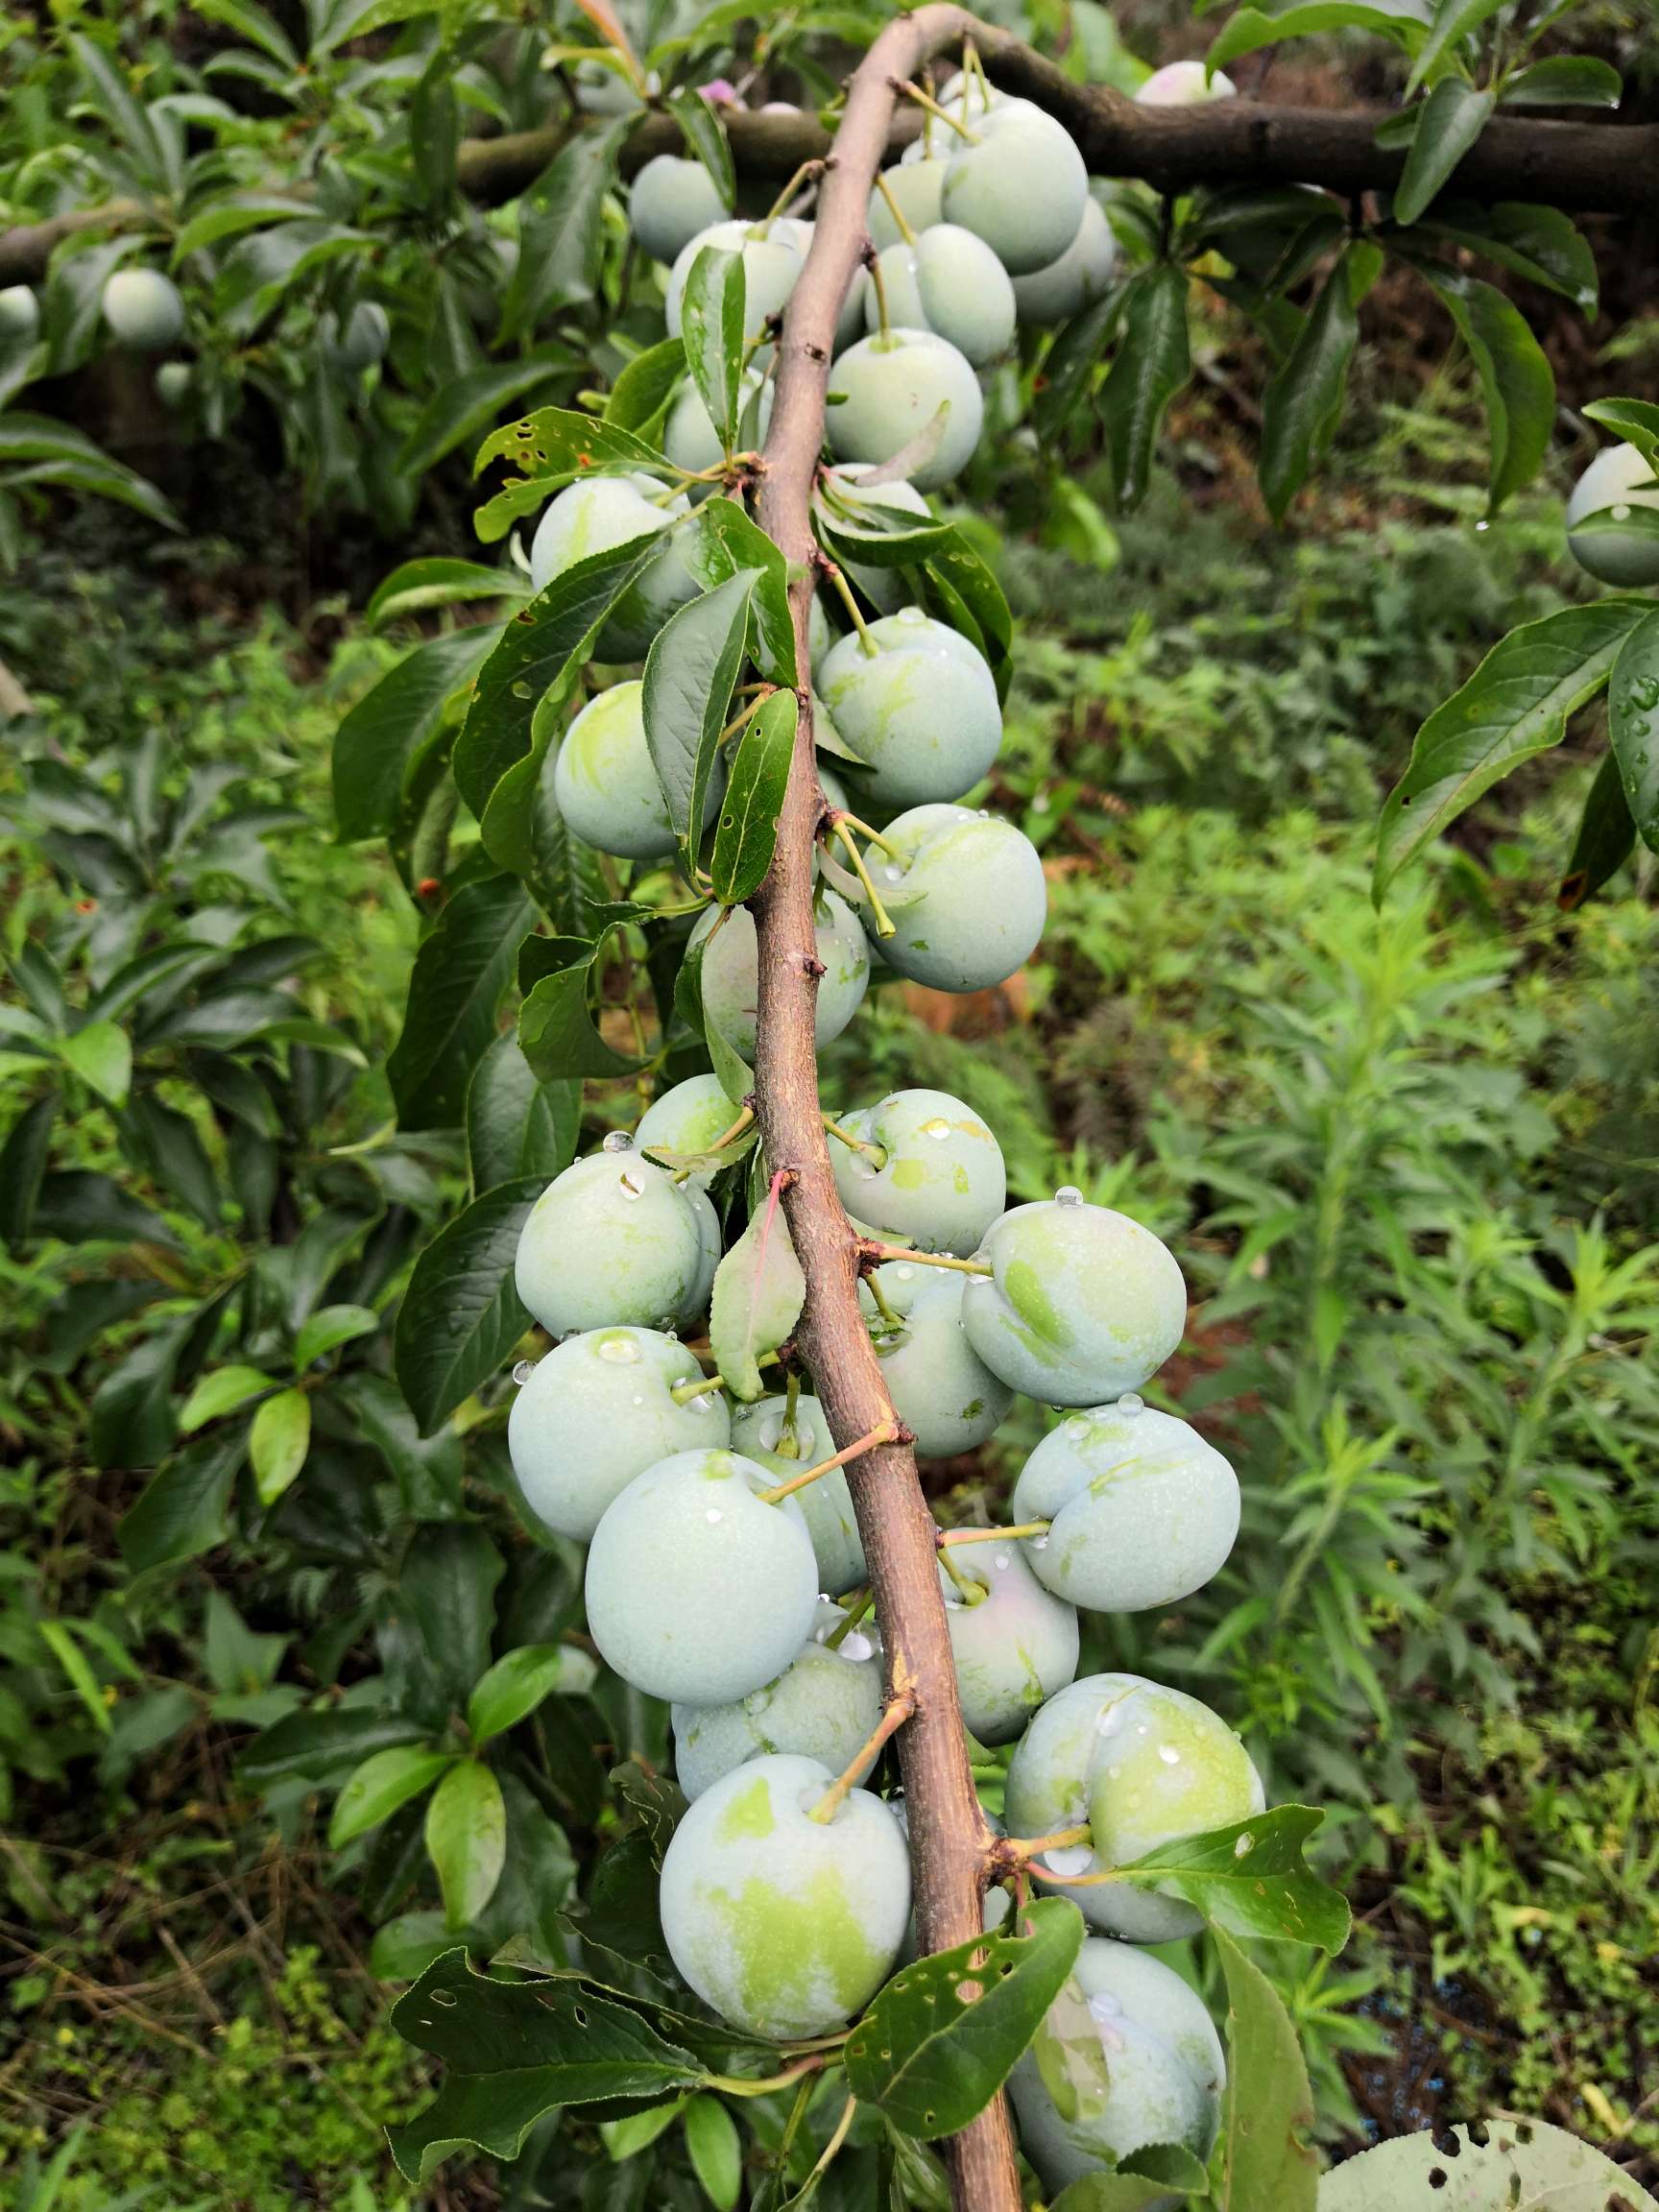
[
  {"x": 746, "y": 835},
  {"x": 1269, "y": 2117},
  {"x": 1498, "y": 2165},
  {"x": 931, "y": 2056},
  {"x": 566, "y": 2023},
  {"x": 1250, "y": 1879},
  {"x": 758, "y": 1293}
]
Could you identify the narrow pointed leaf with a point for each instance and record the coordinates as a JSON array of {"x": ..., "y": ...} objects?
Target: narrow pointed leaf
[
  {"x": 1606, "y": 837},
  {"x": 711, "y": 330},
  {"x": 1269, "y": 2116},
  {"x": 746, "y": 827},
  {"x": 380, "y": 745},
  {"x": 1516, "y": 379},
  {"x": 467, "y": 1839},
  {"x": 278, "y": 1441},
  {"x": 1633, "y": 722},
  {"x": 691, "y": 673},
  {"x": 385, "y": 1780},
  {"x": 1452, "y": 117},
  {"x": 1302, "y": 404},
  {"x": 1152, "y": 363},
  {"x": 455, "y": 990},
  {"x": 461, "y": 1315},
  {"x": 759, "y": 1293}
]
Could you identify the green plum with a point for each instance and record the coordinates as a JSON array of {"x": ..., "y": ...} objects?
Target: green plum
[
  {"x": 1185, "y": 84},
  {"x": 1143, "y": 1510},
  {"x": 917, "y": 186},
  {"x": 689, "y": 438},
  {"x": 931, "y": 1172},
  {"x": 173, "y": 383},
  {"x": 143, "y": 309},
  {"x": 598, "y": 1411},
  {"x": 787, "y": 1926},
  {"x": 732, "y": 970},
  {"x": 1077, "y": 279},
  {"x": 966, "y": 894},
  {"x": 949, "y": 283},
  {"x": 825, "y": 1705},
  {"x": 1020, "y": 184},
  {"x": 688, "y": 1119},
  {"x": 595, "y": 515},
  {"x": 918, "y": 703},
  {"x": 774, "y": 257},
  {"x": 1081, "y": 1303},
  {"x": 1144, "y": 1765},
  {"x": 785, "y": 1443},
  {"x": 672, "y": 198},
  {"x": 1618, "y": 549},
  {"x": 887, "y": 389},
  {"x": 1128, "y": 2057},
  {"x": 19, "y": 312},
  {"x": 944, "y": 1395},
  {"x": 606, "y": 784},
  {"x": 615, "y": 1242},
  {"x": 1014, "y": 1645},
  {"x": 855, "y": 509},
  {"x": 698, "y": 1591},
  {"x": 967, "y": 98}
]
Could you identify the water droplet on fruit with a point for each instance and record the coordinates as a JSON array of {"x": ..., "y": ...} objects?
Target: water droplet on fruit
[
  {"x": 1076, "y": 1426},
  {"x": 1169, "y": 1754},
  {"x": 617, "y": 1140},
  {"x": 629, "y": 1188},
  {"x": 523, "y": 1373},
  {"x": 1069, "y": 1859},
  {"x": 758, "y": 1700},
  {"x": 1620, "y": 513},
  {"x": 855, "y": 1645},
  {"x": 622, "y": 1351},
  {"x": 1000, "y": 1562},
  {"x": 937, "y": 1127},
  {"x": 713, "y": 1515},
  {"x": 702, "y": 1404},
  {"x": 1110, "y": 1721},
  {"x": 1245, "y": 1847},
  {"x": 1040, "y": 1544},
  {"x": 902, "y": 1274},
  {"x": 983, "y": 814},
  {"x": 1131, "y": 1402},
  {"x": 892, "y": 874},
  {"x": 1069, "y": 1194},
  {"x": 1103, "y": 2006}
]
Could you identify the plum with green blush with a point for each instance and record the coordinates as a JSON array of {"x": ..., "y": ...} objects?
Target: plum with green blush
[
  {"x": 921, "y": 1165},
  {"x": 887, "y": 389},
  {"x": 732, "y": 970},
  {"x": 917, "y": 704},
  {"x": 965, "y": 893},
  {"x": 824, "y": 1705},
  {"x": 598, "y": 514},
  {"x": 786, "y": 1439},
  {"x": 689, "y": 1119},
  {"x": 605, "y": 785},
  {"x": 941, "y": 1391},
  {"x": 1015, "y": 1644}
]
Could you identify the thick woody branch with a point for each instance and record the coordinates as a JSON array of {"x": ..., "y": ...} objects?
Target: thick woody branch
[{"x": 948, "y": 1836}]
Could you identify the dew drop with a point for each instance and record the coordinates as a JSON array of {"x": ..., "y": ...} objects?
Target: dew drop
[
  {"x": 1131, "y": 1402},
  {"x": 1069, "y": 1859},
  {"x": 523, "y": 1373},
  {"x": 855, "y": 1645},
  {"x": 1110, "y": 1721},
  {"x": 621, "y": 1351},
  {"x": 892, "y": 874},
  {"x": 1000, "y": 1562},
  {"x": 1069, "y": 1194},
  {"x": 758, "y": 1700},
  {"x": 617, "y": 1140},
  {"x": 1040, "y": 1544},
  {"x": 1103, "y": 2006},
  {"x": 1076, "y": 1426},
  {"x": 1245, "y": 1847},
  {"x": 1169, "y": 1754},
  {"x": 713, "y": 1515},
  {"x": 629, "y": 1188},
  {"x": 702, "y": 1404},
  {"x": 983, "y": 815},
  {"x": 1620, "y": 513},
  {"x": 638, "y": 1396},
  {"x": 1111, "y": 2038}
]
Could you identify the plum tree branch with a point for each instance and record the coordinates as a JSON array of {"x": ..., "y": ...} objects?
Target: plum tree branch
[{"x": 949, "y": 1838}]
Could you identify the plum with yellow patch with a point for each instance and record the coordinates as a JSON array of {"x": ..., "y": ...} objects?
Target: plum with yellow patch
[
  {"x": 732, "y": 970},
  {"x": 1015, "y": 1644},
  {"x": 932, "y": 1172},
  {"x": 599, "y": 514},
  {"x": 965, "y": 895},
  {"x": 605, "y": 784},
  {"x": 787, "y": 1926},
  {"x": 941, "y": 1391},
  {"x": 687, "y": 1120},
  {"x": 825, "y": 1705}
]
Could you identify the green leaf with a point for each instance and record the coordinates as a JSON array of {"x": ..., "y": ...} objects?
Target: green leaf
[
  {"x": 1452, "y": 117},
  {"x": 721, "y": 542},
  {"x": 561, "y": 230},
  {"x": 758, "y": 1293},
  {"x": 1633, "y": 723},
  {"x": 467, "y": 1839},
  {"x": 1538, "y": 243},
  {"x": 1565, "y": 81},
  {"x": 557, "y": 1031},
  {"x": 461, "y": 1315},
  {"x": 697, "y": 119},
  {"x": 259, "y": 270},
  {"x": 436, "y": 581},
  {"x": 1302, "y": 404},
  {"x": 322, "y": 1745},
  {"x": 460, "y": 976},
  {"x": 711, "y": 330},
  {"x": 381, "y": 744},
  {"x": 1248, "y": 29},
  {"x": 23, "y": 1168},
  {"x": 1250, "y": 1879},
  {"x": 1268, "y": 2120},
  {"x": 1605, "y": 840},
  {"x": 221, "y": 1392},
  {"x": 56, "y": 1636},
  {"x": 1128, "y": 2189},
  {"x": 1516, "y": 705},
  {"x": 1071, "y": 360},
  {"x": 746, "y": 832},
  {"x": 729, "y": 1064},
  {"x": 644, "y": 388},
  {"x": 330, "y": 1327},
  {"x": 447, "y": 1581},
  {"x": 552, "y": 447},
  {"x": 385, "y": 1780},
  {"x": 102, "y": 1056},
  {"x": 278, "y": 1441},
  {"x": 691, "y": 672},
  {"x": 715, "y": 2149},
  {"x": 230, "y": 216},
  {"x": 514, "y": 1687},
  {"x": 516, "y": 1125},
  {"x": 459, "y": 410},
  {"x": 932, "y": 2060},
  {"x": 1516, "y": 378},
  {"x": 1635, "y": 420},
  {"x": 1455, "y": 20},
  {"x": 1152, "y": 363},
  {"x": 541, "y": 652},
  {"x": 960, "y": 589},
  {"x": 180, "y": 1512}
]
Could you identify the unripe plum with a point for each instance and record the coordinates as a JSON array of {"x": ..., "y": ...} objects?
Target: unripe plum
[
  {"x": 941, "y": 1391},
  {"x": 687, "y": 1119},
  {"x": 1020, "y": 185},
  {"x": 1143, "y": 1511},
  {"x": 825, "y": 1705},
  {"x": 173, "y": 383},
  {"x": 968, "y": 98},
  {"x": 1144, "y": 1765},
  {"x": 606, "y": 784},
  {"x": 672, "y": 200},
  {"x": 951, "y": 283},
  {"x": 598, "y": 1411},
  {"x": 967, "y": 896},
  {"x": 1014, "y": 1647},
  {"x": 689, "y": 438},
  {"x": 940, "y": 1182},
  {"x": 842, "y": 490},
  {"x": 890, "y": 390},
  {"x": 916, "y": 185},
  {"x": 19, "y": 312},
  {"x": 143, "y": 309},
  {"x": 1184, "y": 85},
  {"x": 786, "y": 1445},
  {"x": 787, "y": 1926},
  {"x": 918, "y": 702},
  {"x": 1618, "y": 479},
  {"x": 697, "y": 1590},
  {"x": 1081, "y": 1304},
  {"x": 773, "y": 258},
  {"x": 1134, "y": 2058},
  {"x": 595, "y": 514},
  {"x": 1078, "y": 278},
  {"x": 615, "y": 1242},
  {"x": 732, "y": 970}
]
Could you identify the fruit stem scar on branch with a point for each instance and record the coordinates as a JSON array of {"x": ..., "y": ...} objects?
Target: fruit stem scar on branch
[
  {"x": 884, "y": 1432},
  {"x": 899, "y": 1709},
  {"x": 949, "y": 1536}
]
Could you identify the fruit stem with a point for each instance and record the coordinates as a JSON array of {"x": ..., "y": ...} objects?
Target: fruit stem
[
  {"x": 791, "y": 1403},
  {"x": 872, "y": 836},
  {"x": 844, "y": 1627},
  {"x": 880, "y": 1252},
  {"x": 886, "y": 925},
  {"x": 883, "y": 1432},
  {"x": 808, "y": 171},
  {"x": 972, "y": 1593},
  {"x": 873, "y": 265},
  {"x": 836, "y": 2139},
  {"x": 1029, "y": 1846},
  {"x": 899, "y": 1709},
  {"x": 987, "y": 1535},
  {"x": 894, "y": 210},
  {"x": 973, "y": 70},
  {"x": 741, "y": 2085},
  {"x": 732, "y": 1135},
  {"x": 913, "y": 91},
  {"x": 879, "y": 1298},
  {"x": 1080, "y": 1881},
  {"x": 683, "y": 1393},
  {"x": 876, "y": 1154},
  {"x": 832, "y": 571},
  {"x": 740, "y": 721}
]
